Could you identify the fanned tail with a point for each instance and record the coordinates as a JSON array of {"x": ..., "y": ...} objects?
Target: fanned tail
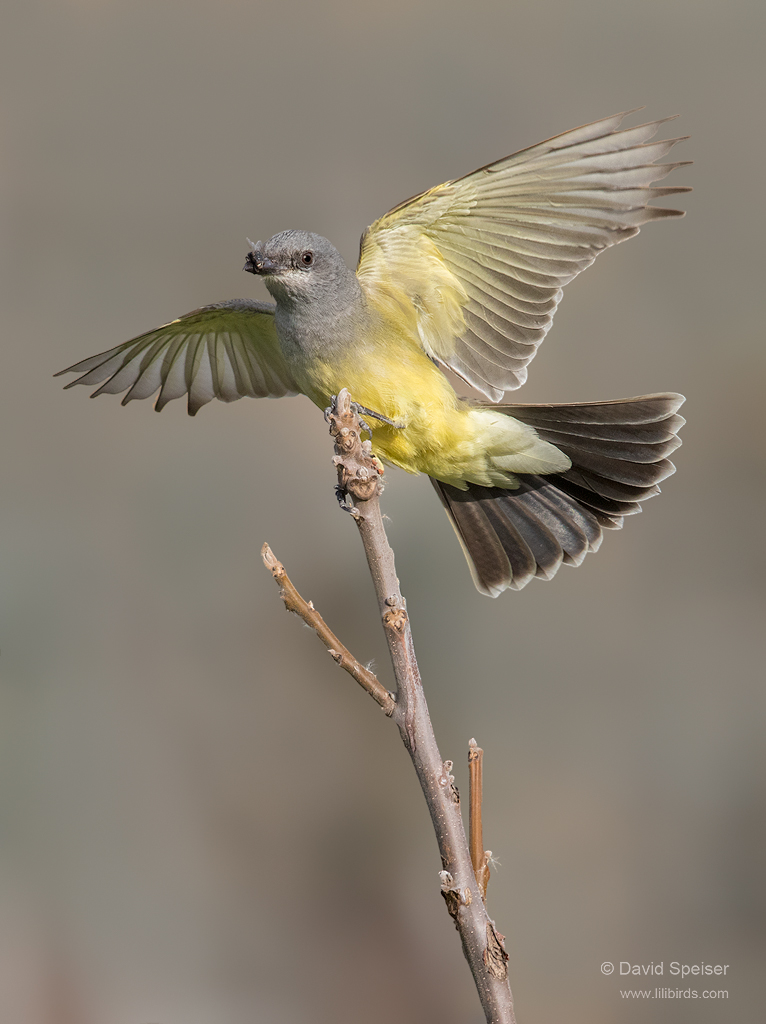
[{"x": 619, "y": 452}]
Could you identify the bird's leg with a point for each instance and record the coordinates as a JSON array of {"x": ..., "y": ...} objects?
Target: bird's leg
[
  {"x": 359, "y": 409},
  {"x": 376, "y": 416}
]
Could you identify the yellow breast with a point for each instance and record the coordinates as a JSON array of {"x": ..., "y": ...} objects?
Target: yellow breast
[{"x": 450, "y": 440}]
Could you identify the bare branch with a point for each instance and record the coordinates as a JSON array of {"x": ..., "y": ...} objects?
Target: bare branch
[
  {"x": 306, "y": 610},
  {"x": 360, "y": 477},
  {"x": 479, "y": 856}
]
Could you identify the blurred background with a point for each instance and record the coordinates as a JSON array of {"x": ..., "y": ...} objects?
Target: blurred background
[{"x": 205, "y": 820}]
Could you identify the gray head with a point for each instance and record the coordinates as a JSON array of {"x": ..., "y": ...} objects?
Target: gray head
[{"x": 298, "y": 266}]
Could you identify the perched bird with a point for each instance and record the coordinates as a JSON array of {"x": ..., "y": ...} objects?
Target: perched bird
[{"x": 467, "y": 276}]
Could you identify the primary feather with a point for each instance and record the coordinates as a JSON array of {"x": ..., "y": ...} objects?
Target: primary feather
[
  {"x": 227, "y": 350},
  {"x": 478, "y": 264}
]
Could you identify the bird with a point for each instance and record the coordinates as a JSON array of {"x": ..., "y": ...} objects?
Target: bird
[{"x": 464, "y": 277}]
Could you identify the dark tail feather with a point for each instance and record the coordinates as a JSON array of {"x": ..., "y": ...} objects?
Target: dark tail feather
[{"x": 619, "y": 456}]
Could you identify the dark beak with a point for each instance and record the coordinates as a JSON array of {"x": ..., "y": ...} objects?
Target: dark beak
[{"x": 257, "y": 263}]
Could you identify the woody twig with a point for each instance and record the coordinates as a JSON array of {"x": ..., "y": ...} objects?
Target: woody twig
[
  {"x": 479, "y": 856},
  {"x": 463, "y": 887}
]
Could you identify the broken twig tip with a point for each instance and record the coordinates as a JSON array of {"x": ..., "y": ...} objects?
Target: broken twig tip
[
  {"x": 343, "y": 402},
  {"x": 271, "y": 562}
]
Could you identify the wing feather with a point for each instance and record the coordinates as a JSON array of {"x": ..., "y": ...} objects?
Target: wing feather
[
  {"x": 227, "y": 350},
  {"x": 480, "y": 262}
]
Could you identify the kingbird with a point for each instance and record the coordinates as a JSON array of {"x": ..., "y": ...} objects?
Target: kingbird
[{"x": 466, "y": 276}]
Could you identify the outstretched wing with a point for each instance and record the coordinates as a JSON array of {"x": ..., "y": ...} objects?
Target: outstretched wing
[
  {"x": 477, "y": 265},
  {"x": 227, "y": 350}
]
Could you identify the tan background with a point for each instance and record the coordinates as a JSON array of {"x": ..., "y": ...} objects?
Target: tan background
[{"x": 206, "y": 822}]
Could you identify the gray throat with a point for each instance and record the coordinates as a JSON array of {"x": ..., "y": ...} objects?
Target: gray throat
[{"x": 328, "y": 318}]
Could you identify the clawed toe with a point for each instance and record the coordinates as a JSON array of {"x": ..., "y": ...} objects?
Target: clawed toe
[
  {"x": 330, "y": 407},
  {"x": 340, "y": 494},
  {"x": 363, "y": 425}
]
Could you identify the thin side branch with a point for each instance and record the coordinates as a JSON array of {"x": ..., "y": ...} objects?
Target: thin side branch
[
  {"x": 341, "y": 654},
  {"x": 479, "y": 856}
]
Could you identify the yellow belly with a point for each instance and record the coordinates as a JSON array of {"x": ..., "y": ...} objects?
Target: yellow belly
[
  {"x": 440, "y": 435},
  {"x": 400, "y": 382}
]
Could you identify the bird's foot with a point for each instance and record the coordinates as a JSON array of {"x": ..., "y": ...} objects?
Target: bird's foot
[
  {"x": 341, "y": 494},
  {"x": 328, "y": 411},
  {"x": 360, "y": 410}
]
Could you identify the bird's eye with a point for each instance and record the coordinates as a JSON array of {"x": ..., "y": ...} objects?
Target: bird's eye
[{"x": 307, "y": 258}]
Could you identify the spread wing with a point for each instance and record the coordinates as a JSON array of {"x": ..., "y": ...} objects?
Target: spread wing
[
  {"x": 227, "y": 350},
  {"x": 476, "y": 266}
]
